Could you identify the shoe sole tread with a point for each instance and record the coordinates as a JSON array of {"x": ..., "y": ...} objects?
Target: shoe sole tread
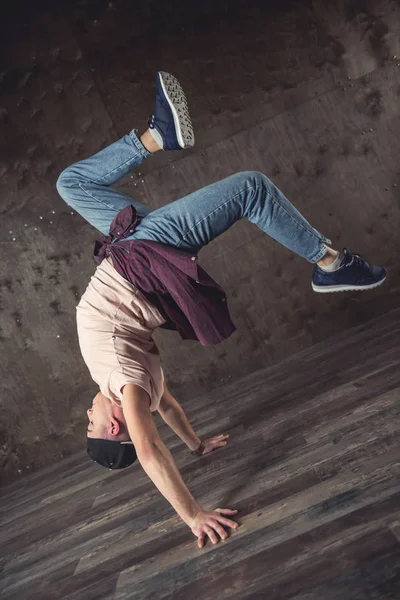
[{"x": 179, "y": 107}]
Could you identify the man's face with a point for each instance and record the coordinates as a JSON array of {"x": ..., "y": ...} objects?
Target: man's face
[
  {"x": 99, "y": 416},
  {"x": 106, "y": 420}
]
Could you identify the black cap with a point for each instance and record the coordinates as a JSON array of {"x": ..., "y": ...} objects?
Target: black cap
[{"x": 111, "y": 454}]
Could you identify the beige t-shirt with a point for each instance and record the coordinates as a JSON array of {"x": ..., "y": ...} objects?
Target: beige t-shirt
[{"x": 115, "y": 326}]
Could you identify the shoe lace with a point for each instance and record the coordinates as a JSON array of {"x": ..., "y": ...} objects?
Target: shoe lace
[{"x": 358, "y": 261}]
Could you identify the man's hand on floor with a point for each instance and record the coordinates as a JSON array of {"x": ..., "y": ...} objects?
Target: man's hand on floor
[
  {"x": 215, "y": 442},
  {"x": 209, "y": 524}
]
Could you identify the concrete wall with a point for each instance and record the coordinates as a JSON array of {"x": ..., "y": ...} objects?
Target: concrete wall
[{"x": 305, "y": 93}]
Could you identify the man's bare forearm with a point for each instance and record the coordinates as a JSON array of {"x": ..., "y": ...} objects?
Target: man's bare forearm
[
  {"x": 153, "y": 455},
  {"x": 162, "y": 470},
  {"x": 176, "y": 418}
]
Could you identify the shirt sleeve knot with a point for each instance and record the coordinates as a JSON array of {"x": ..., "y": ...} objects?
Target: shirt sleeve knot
[{"x": 122, "y": 226}]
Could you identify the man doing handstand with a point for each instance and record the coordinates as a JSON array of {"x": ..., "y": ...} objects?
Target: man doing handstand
[{"x": 148, "y": 277}]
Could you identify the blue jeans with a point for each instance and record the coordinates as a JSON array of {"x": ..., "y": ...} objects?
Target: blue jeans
[{"x": 193, "y": 221}]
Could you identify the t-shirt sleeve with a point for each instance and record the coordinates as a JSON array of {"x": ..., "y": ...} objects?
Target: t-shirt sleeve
[{"x": 119, "y": 378}]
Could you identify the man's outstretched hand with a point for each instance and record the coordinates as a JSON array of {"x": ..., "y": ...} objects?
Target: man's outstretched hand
[
  {"x": 209, "y": 524},
  {"x": 215, "y": 442}
]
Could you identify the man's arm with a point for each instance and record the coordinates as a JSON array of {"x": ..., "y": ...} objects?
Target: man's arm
[
  {"x": 159, "y": 465},
  {"x": 153, "y": 455},
  {"x": 174, "y": 415}
]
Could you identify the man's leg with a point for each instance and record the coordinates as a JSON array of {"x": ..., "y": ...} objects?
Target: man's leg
[
  {"x": 193, "y": 221},
  {"x": 86, "y": 185}
]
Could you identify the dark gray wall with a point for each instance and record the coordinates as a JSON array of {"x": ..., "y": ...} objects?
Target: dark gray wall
[{"x": 305, "y": 93}]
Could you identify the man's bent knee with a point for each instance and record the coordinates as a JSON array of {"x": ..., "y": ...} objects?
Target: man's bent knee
[
  {"x": 254, "y": 177},
  {"x": 66, "y": 181}
]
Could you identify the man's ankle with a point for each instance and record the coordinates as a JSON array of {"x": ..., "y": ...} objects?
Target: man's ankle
[
  {"x": 149, "y": 142},
  {"x": 330, "y": 256}
]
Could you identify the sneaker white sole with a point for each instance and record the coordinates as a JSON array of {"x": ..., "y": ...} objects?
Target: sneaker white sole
[
  {"x": 178, "y": 104},
  {"x": 345, "y": 288}
]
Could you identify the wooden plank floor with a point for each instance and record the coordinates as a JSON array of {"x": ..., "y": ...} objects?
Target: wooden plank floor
[{"x": 312, "y": 466}]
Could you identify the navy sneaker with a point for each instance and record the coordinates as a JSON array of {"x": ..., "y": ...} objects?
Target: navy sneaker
[
  {"x": 170, "y": 124},
  {"x": 354, "y": 273}
]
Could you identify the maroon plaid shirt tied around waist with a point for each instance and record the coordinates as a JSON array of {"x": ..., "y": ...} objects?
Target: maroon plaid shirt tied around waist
[{"x": 190, "y": 301}]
